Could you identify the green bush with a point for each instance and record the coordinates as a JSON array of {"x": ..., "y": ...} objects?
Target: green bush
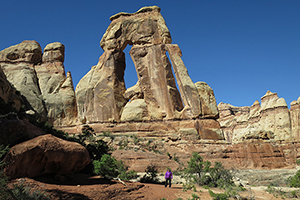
[
  {"x": 3, "y": 179},
  {"x": 97, "y": 149},
  {"x": 23, "y": 192},
  {"x": 219, "y": 196},
  {"x": 294, "y": 181},
  {"x": 151, "y": 174},
  {"x": 107, "y": 166},
  {"x": 132, "y": 174},
  {"x": 200, "y": 172}
]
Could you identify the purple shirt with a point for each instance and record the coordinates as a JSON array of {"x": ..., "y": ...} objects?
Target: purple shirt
[{"x": 168, "y": 175}]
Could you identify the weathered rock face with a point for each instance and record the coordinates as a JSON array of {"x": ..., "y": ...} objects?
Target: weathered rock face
[
  {"x": 7, "y": 93},
  {"x": 56, "y": 88},
  {"x": 100, "y": 93},
  {"x": 45, "y": 154},
  {"x": 295, "y": 119},
  {"x": 17, "y": 62},
  {"x": 269, "y": 121},
  {"x": 208, "y": 100},
  {"x": 156, "y": 82},
  {"x": 155, "y": 96},
  {"x": 41, "y": 79},
  {"x": 146, "y": 26}
]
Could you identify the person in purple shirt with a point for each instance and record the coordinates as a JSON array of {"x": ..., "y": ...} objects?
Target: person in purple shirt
[{"x": 168, "y": 177}]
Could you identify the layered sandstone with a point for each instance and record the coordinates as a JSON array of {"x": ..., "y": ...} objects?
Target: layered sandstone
[
  {"x": 272, "y": 120},
  {"x": 40, "y": 78}
]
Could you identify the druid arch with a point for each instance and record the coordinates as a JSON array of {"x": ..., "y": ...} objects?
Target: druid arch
[{"x": 101, "y": 93}]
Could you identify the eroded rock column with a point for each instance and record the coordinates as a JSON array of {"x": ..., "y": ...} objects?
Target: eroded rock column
[
  {"x": 100, "y": 93},
  {"x": 156, "y": 81},
  {"x": 57, "y": 89},
  {"x": 188, "y": 90}
]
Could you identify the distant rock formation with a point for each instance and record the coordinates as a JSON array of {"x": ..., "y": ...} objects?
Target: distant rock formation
[
  {"x": 272, "y": 120},
  {"x": 102, "y": 96},
  {"x": 41, "y": 79}
]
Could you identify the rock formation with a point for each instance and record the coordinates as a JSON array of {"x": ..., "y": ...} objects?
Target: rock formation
[
  {"x": 272, "y": 120},
  {"x": 45, "y": 154},
  {"x": 295, "y": 119},
  {"x": 41, "y": 79},
  {"x": 57, "y": 89},
  {"x": 8, "y": 94},
  {"x": 17, "y": 62},
  {"x": 102, "y": 96}
]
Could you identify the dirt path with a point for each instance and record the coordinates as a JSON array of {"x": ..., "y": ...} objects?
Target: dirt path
[{"x": 82, "y": 187}]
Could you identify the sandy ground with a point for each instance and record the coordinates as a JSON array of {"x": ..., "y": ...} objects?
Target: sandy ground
[{"x": 83, "y": 187}]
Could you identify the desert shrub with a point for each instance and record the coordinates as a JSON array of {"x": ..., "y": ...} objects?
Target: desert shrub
[
  {"x": 23, "y": 192},
  {"x": 3, "y": 179},
  {"x": 107, "y": 166},
  {"x": 200, "y": 172},
  {"x": 151, "y": 174},
  {"x": 294, "y": 181},
  {"x": 97, "y": 149},
  {"x": 219, "y": 196},
  {"x": 108, "y": 134},
  {"x": 110, "y": 167},
  {"x": 128, "y": 175}
]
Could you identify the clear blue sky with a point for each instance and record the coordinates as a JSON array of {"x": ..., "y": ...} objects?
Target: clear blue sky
[{"x": 241, "y": 48}]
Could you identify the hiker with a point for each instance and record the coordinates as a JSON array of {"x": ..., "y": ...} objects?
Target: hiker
[{"x": 168, "y": 177}]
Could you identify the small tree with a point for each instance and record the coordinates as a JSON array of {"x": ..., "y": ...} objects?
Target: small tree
[
  {"x": 107, "y": 166},
  {"x": 151, "y": 174},
  {"x": 200, "y": 172}
]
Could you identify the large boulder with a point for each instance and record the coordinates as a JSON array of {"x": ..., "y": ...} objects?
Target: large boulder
[
  {"x": 13, "y": 131},
  {"x": 45, "y": 154},
  {"x": 135, "y": 110}
]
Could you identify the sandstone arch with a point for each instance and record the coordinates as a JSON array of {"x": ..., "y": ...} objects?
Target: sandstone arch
[{"x": 101, "y": 94}]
